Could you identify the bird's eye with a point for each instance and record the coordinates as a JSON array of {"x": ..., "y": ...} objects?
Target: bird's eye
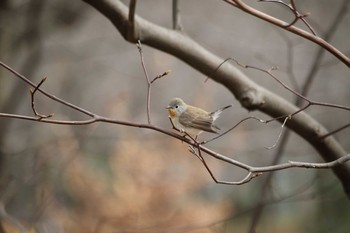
[{"x": 176, "y": 106}]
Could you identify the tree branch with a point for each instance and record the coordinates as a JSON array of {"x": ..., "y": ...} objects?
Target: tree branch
[
  {"x": 251, "y": 95},
  {"x": 292, "y": 7},
  {"x": 149, "y": 84},
  {"x": 32, "y": 94},
  {"x": 30, "y": 83},
  {"x": 244, "y": 7},
  {"x": 304, "y": 91},
  {"x": 192, "y": 142}
]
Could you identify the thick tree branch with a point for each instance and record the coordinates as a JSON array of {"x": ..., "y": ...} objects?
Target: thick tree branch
[
  {"x": 251, "y": 95},
  {"x": 304, "y": 91}
]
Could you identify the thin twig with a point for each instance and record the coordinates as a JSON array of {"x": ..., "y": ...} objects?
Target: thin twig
[
  {"x": 292, "y": 7},
  {"x": 279, "y": 135},
  {"x": 269, "y": 72},
  {"x": 233, "y": 127},
  {"x": 149, "y": 83},
  {"x": 246, "y": 179},
  {"x": 149, "y": 86},
  {"x": 301, "y": 96},
  {"x": 32, "y": 93},
  {"x": 172, "y": 123},
  {"x": 30, "y": 83},
  {"x": 160, "y": 76},
  {"x": 217, "y": 68},
  {"x": 279, "y": 23},
  {"x": 294, "y": 164},
  {"x": 335, "y": 131}
]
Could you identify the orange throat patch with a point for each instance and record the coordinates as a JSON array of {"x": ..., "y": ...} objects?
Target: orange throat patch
[{"x": 171, "y": 113}]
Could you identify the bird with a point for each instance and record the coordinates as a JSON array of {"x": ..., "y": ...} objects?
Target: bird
[{"x": 192, "y": 120}]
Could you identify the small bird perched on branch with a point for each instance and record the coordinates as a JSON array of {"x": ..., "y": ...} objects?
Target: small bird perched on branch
[{"x": 192, "y": 120}]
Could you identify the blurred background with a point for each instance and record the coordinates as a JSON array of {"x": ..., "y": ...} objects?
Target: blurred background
[{"x": 112, "y": 178}]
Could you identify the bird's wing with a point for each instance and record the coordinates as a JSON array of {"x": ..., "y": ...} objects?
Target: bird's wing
[{"x": 202, "y": 121}]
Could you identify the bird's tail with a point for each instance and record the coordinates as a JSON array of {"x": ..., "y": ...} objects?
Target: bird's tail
[{"x": 217, "y": 113}]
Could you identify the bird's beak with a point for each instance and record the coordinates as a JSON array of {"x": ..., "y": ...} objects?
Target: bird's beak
[{"x": 169, "y": 107}]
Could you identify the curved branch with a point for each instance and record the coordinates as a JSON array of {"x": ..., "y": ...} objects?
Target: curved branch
[
  {"x": 253, "y": 171},
  {"x": 30, "y": 83},
  {"x": 292, "y": 7},
  {"x": 250, "y": 10},
  {"x": 251, "y": 95}
]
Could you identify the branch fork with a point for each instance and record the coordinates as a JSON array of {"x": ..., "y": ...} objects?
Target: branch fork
[{"x": 32, "y": 93}]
